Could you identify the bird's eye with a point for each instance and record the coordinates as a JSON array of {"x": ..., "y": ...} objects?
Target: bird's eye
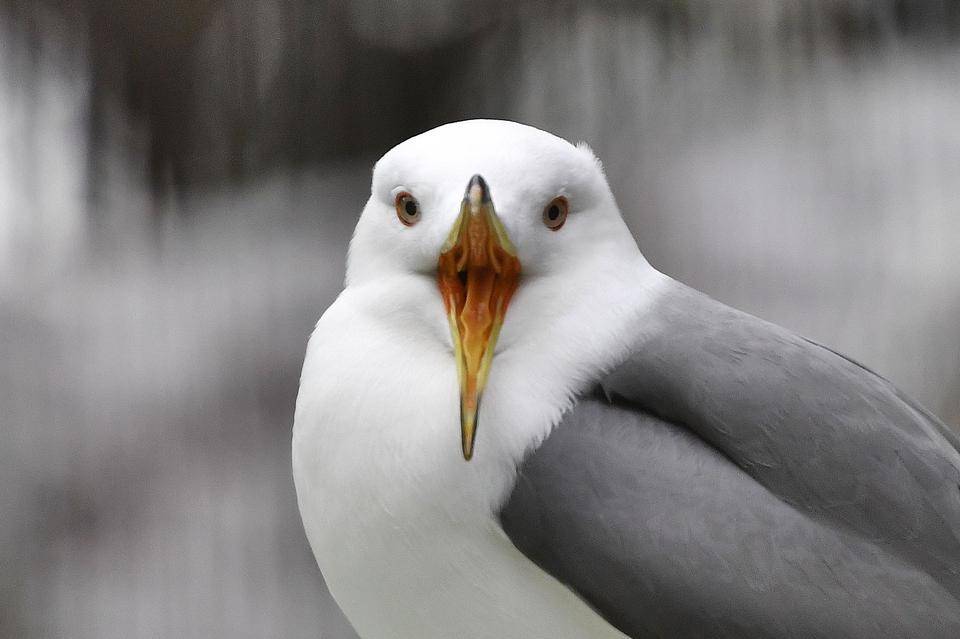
[
  {"x": 408, "y": 209},
  {"x": 555, "y": 213}
]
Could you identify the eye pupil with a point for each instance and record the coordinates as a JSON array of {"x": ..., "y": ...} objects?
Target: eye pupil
[
  {"x": 408, "y": 209},
  {"x": 555, "y": 213}
]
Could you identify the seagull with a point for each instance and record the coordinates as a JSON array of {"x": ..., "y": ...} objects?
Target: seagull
[{"x": 510, "y": 425}]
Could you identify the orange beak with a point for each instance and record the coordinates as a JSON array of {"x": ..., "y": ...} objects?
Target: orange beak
[{"x": 478, "y": 272}]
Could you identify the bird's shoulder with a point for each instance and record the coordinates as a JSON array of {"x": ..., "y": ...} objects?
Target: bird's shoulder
[
  {"x": 816, "y": 428},
  {"x": 729, "y": 459}
]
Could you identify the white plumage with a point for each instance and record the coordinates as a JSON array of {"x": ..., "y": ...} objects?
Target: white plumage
[{"x": 404, "y": 530}]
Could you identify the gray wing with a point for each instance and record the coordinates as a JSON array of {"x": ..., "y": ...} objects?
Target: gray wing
[{"x": 735, "y": 480}]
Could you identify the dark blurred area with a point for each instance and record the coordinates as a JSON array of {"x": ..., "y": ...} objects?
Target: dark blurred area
[{"x": 178, "y": 184}]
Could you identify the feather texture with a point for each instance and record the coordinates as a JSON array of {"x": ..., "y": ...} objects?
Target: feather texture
[{"x": 741, "y": 481}]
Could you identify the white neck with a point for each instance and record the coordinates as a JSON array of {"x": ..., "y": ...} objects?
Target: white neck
[{"x": 403, "y": 528}]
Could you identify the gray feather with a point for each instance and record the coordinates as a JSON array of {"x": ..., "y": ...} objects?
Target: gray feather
[{"x": 741, "y": 481}]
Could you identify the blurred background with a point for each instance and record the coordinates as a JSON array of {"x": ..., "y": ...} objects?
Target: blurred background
[{"x": 178, "y": 184}]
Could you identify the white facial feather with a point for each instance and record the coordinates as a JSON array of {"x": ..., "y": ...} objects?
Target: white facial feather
[{"x": 403, "y": 528}]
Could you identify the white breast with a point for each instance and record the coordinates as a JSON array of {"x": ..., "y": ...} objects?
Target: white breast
[{"x": 404, "y": 530}]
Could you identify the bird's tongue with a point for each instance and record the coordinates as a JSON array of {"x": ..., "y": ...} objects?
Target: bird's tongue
[{"x": 477, "y": 273}]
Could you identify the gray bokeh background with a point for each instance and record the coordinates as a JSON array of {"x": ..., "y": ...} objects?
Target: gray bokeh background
[{"x": 178, "y": 183}]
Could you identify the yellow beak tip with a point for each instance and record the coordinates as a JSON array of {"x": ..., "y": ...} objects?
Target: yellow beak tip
[{"x": 468, "y": 434}]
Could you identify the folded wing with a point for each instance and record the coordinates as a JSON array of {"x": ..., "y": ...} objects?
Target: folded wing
[{"x": 736, "y": 480}]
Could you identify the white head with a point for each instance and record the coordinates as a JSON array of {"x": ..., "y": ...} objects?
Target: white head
[
  {"x": 535, "y": 198},
  {"x": 525, "y": 169}
]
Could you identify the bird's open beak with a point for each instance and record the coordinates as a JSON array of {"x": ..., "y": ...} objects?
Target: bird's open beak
[{"x": 478, "y": 272}]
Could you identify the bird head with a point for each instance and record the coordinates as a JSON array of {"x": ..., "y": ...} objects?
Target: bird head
[{"x": 491, "y": 211}]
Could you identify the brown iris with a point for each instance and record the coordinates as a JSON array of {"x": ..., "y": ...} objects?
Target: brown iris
[
  {"x": 555, "y": 213},
  {"x": 408, "y": 208}
]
